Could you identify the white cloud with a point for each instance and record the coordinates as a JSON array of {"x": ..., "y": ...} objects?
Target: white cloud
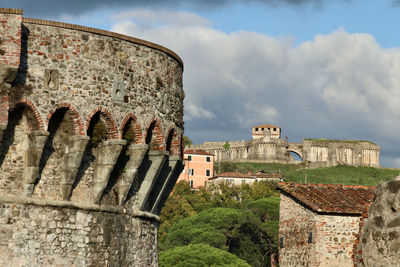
[{"x": 339, "y": 85}]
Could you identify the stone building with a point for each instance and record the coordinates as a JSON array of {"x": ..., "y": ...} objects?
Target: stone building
[
  {"x": 267, "y": 146},
  {"x": 237, "y": 178},
  {"x": 199, "y": 166},
  {"x": 319, "y": 224},
  {"x": 266, "y": 129},
  {"x": 91, "y": 126}
]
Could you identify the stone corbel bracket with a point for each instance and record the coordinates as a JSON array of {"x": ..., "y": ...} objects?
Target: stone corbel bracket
[
  {"x": 156, "y": 161},
  {"x": 72, "y": 160},
  {"x": 106, "y": 158},
  {"x": 33, "y": 153},
  {"x": 165, "y": 183},
  {"x": 136, "y": 153}
]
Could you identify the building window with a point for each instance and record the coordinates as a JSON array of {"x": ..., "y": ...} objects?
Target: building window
[
  {"x": 230, "y": 180},
  {"x": 262, "y": 129},
  {"x": 309, "y": 237},
  {"x": 208, "y": 173},
  {"x": 208, "y": 159},
  {"x": 191, "y": 183},
  {"x": 256, "y": 129},
  {"x": 189, "y": 158},
  {"x": 281, "y": 245},
  {"x": 274, "y": 129},
  {"x": 191, "y": 172},
  {"x": 243, "y": 181}
]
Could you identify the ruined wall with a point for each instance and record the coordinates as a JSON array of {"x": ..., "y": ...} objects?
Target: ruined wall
[
  {"x": 346, "y": 152},
  {"x": 91, "y": 126},
  {"x": 380, "y": 235}
]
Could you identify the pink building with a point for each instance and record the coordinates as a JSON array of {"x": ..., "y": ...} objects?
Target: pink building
[{"x": 199, "y": 166}]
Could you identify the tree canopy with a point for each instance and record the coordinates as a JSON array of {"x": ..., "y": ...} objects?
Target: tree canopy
[
  {"x": 242, "y": 220},
  {"x": 199, "y": 255}
]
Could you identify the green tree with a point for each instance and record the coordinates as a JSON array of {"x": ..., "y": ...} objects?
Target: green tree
[
  {"x": 199, "y": 255},
  {"x": 226, "y": 146},
  {"x": 187, "y": 141},
  {"x": 238, "y": 231}
]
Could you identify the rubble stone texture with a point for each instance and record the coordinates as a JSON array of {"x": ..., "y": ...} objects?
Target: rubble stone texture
[
  {"x": 91, "y": 126},
  {"x": 380, "y": 235}
]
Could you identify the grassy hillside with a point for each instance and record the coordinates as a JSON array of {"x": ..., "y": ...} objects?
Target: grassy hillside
[{"x": 331, "y": 175}]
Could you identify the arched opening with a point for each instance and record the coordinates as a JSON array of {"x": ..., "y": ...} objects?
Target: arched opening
[
  {"x": 98, "y": 131},
  {"x": 154, "y": 136},
  {"x": 296, "y": 156},
  {"x": 110, "y": 194},
  {"x": 61, "y": 129},
  {"x": 170, "y": 138},
  {"x": 21, "y": 121}
]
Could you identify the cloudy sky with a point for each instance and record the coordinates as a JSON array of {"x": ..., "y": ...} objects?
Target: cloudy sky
[{"x": 317, "y": 68}]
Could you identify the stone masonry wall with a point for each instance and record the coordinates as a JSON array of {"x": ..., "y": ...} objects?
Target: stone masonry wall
[
  {"x": 332, "y": 242},
  {"x": 334, "y": 239},
  {"x": 380, "y": 235},
  {"x": 34, "y": 235},
  {"x": 91, "y": 127},
  {"x": 295, "y": 222}
]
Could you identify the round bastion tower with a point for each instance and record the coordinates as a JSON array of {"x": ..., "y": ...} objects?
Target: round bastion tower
[{"x": 91, "y": 126}]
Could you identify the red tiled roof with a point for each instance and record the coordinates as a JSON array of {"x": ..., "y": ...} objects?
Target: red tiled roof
[
  {"x": 266, "y": 126},
  {"x": 197, "y": 152},
  {"x": 327, "y": 198},
  {"x": 233, "y": 175}
]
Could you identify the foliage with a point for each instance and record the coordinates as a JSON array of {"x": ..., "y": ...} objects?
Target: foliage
[
  {"x": 229, "y": 217},
  {"x": 129, "y": 135},
  {"x": 198, "y": 255},
  {"x": 237, "y": 230},
  {"x": 341, "y": 174},
  {"x": 336, "y": 141},
  {"x": 226, "y": 146},
  {"x": 187, "y": 141},
  {"x": 99, "y": 133}
]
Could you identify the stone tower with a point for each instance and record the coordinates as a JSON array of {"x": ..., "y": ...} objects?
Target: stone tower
[{"x": 91, "y": 143}]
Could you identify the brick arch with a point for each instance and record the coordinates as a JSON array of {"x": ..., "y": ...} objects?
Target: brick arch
[
  {"x": 137, "y": 128},
  {"x": 111, "y": 125},
  {"x": 36, "y": 122},
  {"x": 172, "y": 142},
  {"x": 77, "y": 121},
  {"x": 157, "y": 134}
]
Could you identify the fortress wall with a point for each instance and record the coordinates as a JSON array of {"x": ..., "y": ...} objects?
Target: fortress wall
[
  {"x": 91, "y": 127},
  {"x": 36, "y": 235},
  {"x": 334, "y": 152},
  {"x": 85, "y": 70}
]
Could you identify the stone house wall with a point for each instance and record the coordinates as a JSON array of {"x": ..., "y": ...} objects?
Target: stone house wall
[
  {"x": 332, "y": 241},
  {"x": 295, "y": 222}
]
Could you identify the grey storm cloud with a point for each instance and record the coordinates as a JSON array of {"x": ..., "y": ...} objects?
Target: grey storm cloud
[
  {"x": 77, "y": 7},
  {"x": 339, "y": 85}
]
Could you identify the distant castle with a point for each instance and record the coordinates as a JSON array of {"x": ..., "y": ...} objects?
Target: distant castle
[{"x": 267, "y": 146}]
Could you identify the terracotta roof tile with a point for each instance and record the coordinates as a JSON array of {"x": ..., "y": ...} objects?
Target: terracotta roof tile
[
  {"x": 346, "y": 199},
  {"x": 197, "y": 152},
  {"x": 266, "y": 126}
]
